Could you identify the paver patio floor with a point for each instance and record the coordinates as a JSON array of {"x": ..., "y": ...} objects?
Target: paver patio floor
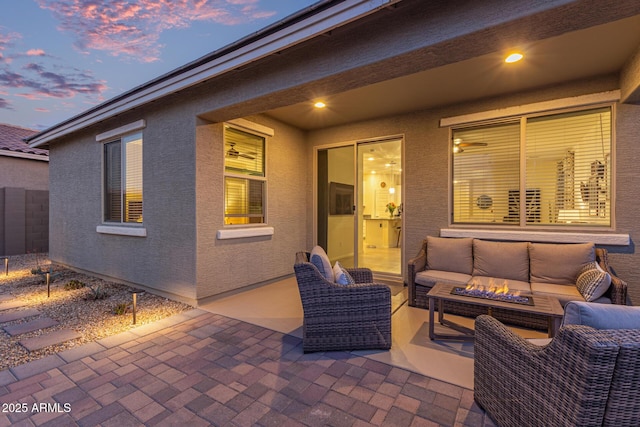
[{"x": 204, "y": 369}]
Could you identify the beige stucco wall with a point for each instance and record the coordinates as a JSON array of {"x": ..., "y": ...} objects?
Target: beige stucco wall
[
  {"x": 183, "y": 148},
  {"x": 163, "y": 260},
  {"x": 426, "y": 167},
  {"x": 183, "y": 207},
  {"x": 225, "y": 265},
  {"x": 24, "y": 173}
]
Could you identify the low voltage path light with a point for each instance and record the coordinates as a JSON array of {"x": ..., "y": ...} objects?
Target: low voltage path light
[
  {"x": 134, "y": 296},
  {"x": 6, "y": 266},
  {"x": 48, "y": 275}
]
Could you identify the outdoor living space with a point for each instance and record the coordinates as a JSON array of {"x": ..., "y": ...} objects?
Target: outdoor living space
[
  {"x": 236, "y": 360},
  {"x": 277, "y": 306}
]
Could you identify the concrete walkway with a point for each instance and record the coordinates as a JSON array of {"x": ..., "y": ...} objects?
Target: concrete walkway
[{"x": 200, "y": 369}]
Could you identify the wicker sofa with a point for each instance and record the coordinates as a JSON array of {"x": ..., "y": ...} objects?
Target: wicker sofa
[
  {"x": 586, "y": 376},
  {"x": 532, "y": 268},
  {"x": 342, "y": 317}
]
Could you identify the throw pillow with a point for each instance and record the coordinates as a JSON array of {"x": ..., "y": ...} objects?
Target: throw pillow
[
  {"x": 588, "y": 266},
  {"x": 320, "y": 259},
  {"x": 342, "y": 276},
  {"x": 593, "y": 283}
]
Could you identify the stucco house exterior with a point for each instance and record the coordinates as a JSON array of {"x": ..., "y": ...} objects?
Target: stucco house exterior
[
  {"x": 24, "y": 193},
  {"x": 240, "y": 123}
]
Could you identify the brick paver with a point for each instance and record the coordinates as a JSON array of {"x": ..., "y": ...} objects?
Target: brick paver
[{"x": 207, "y": 369}]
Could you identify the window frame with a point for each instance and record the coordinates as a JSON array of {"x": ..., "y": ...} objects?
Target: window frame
[
  {"x": 260, "y": 131},
  {"x": 522, "y": 117},
  {"x": 120, "y": 134}
]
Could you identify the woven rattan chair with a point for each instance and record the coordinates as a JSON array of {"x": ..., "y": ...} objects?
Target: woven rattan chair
[
  {"x": 342, "y": 317},
  {"x": 583, "y": 377}
]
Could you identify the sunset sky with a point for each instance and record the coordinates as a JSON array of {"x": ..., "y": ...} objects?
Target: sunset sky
[{"x": 61, "y": 57}]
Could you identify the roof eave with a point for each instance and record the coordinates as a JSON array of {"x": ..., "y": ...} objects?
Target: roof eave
[
  {"x": 315, "y": 20},
  {"x": 21, "y": 155}
]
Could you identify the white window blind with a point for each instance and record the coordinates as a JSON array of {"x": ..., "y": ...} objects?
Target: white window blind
[
  {"x": 123, "y": 179},
  {"x": 565, "y": 171},
  {"x": 244, "y": 153},
  {"x": 133, "y": 178},
  {"x": 485, "y": 173},
  {"x": 245, "y": 178},
  {"x": 568, "y": 159}
]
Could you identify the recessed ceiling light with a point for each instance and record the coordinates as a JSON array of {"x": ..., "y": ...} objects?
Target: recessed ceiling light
[
  {"x": 319, "y": 104},
  {"x": 514, "y": 57}
]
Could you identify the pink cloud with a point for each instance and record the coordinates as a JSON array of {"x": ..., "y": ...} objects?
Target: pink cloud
[
  {"x": 6, "y": 41},
  {"x": 35, "y": 52},
  {"x": 42, "y": 110},
  {"x": 133, "y": 29}
]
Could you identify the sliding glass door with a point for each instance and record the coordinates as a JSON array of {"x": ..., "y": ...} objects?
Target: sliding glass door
[{"x": 359, "y": 204}]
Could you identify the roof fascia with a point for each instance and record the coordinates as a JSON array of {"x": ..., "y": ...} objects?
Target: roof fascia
[
  {"x": 273, "y": 41},
  {"x": 29, "y": 156}
]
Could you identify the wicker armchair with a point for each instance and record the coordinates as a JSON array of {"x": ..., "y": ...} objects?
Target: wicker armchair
[
  {"x": 583, "y": 377},
  {"x": 342, "y": 317}
]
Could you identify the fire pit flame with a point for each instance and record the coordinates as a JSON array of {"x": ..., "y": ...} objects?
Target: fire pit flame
[{"x": 501, "y": 292}]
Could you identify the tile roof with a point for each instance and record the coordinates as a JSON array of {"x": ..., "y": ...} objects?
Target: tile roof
[{"x": 11, "y": 139}]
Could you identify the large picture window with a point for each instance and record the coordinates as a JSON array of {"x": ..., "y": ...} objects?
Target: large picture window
[
  {"x": 560, "y": 162},
  {"x": 244, "y": 177},
  {"x": 123, "y": 179}
]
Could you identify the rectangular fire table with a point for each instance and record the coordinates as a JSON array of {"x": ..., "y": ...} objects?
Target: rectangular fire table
[{"x": 542, "y": 305}]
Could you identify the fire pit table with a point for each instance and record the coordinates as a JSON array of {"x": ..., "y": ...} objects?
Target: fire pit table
[{"x": 546, "y": 306}]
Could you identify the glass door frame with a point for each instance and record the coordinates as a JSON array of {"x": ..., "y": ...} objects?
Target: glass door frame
[{"x": 358, "y": 216}]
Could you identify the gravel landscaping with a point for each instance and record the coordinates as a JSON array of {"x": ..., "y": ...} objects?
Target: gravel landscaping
[{"x": 93, "y": 307}]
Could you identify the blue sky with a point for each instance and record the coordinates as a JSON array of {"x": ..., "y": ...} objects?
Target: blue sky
[{"x": 61, "y": 57}]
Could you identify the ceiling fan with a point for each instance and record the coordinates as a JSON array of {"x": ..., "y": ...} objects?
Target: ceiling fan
[
  {"x": 458, "y": 145},
  {"x": 234, "y": 154}
]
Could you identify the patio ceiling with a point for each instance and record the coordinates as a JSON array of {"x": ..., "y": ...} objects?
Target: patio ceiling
[{"x": 577, "y": 55}]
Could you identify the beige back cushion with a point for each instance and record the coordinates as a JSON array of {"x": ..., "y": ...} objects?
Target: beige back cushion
[
  {"x": 450, "y": 254},
  {"x": 505, "y": 260},
  {"x": 559, "y": 263}
]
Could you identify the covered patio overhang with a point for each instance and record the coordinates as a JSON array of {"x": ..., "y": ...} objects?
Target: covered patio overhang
[{"x": 413, "y": 57}]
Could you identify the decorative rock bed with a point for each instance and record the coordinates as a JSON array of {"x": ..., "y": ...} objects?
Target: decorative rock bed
[{"x": 72, "y": 307}]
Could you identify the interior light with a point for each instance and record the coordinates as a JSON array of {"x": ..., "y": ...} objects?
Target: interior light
[
  {"x": 514, "y": 57},
  {"x": 319, "y": 104},
  {"x": 371, "y": 158},
  {"x": 392, "y": 190},
  {"x": 373, "y": 172}
]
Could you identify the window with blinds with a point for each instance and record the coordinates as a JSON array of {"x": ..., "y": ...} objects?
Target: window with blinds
[
  {"x": 561, "y": 162},
  {"x": 245, "y": 178},
  {"x": 123, "y": 180}
]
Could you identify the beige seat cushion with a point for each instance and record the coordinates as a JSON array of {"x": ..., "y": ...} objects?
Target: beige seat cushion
[
  {"x": 513, "y": 285},
  {"x": 430, "y": 277},
  {"x": 564, "y": 293},
  {"x": 508, "y": 260},
  {"x": 450, "y": 254},
  {"x": 559, "y": 263}
]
